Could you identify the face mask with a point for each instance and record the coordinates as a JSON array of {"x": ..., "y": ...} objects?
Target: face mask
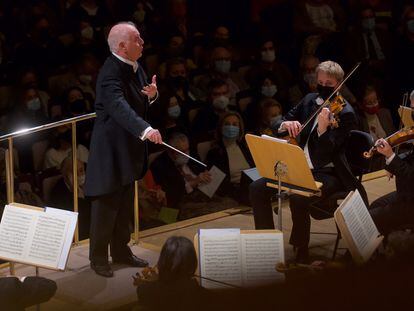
[
  {"x": 81, "y": 180},
  {"x": 309, "y": 78},
  {"x": 139, "y": 16},
  {"x": 268, "y": 56},
  {"x": 87, "y": 33},
  {"x": 221, "y": 102},
  {"x": 230, "y": 131},
  {"x": 174, "y": 111},
  {"x": 410, "y": 25},
  {"x": 372, "y": 109},
  {"x": 85, "y": 79},
  {"x": 368, "y": 24},
  {"x": 269, "y": 91},
  {"x": 274, "y": 121},
  {"x": 77, "y": 106},
  {"x": 325, "y": 91},
  {"x": 222, "y": 66},
  {"x": 34, "y": 104},
  {"x": 180, "y": 160}
]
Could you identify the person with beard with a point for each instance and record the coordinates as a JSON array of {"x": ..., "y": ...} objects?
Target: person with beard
[{"x": 323, "y": 148}]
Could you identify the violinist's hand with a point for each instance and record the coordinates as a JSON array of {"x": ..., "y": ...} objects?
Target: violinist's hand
[
  {"x": 384, "y": 147},
  {"x": 293, "y": 127},
  {"x": 324, "y": 120},
  {"x": 148, "y": 274}
]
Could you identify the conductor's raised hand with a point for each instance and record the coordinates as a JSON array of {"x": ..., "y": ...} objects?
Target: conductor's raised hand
[
  {"x": 151, "y": 90},
  {"x": 154, "y": 136},
  {"x": 293, "y": 127}
]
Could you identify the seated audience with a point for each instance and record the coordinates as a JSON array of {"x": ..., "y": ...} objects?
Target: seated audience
[
  {"x": 177, "y": 176},
  {"x": 206, "y": 120},
  {"x": 62, "y": 147},
  {"x": 62, "y": 194},
  {"x": 269, "y": 115},
  {"x": 231, "y": 155}
]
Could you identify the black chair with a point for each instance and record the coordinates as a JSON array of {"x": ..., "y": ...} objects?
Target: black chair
[{"x": 357, "y": 143}]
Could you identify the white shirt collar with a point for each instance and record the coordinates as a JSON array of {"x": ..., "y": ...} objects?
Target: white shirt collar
[{"x": 127, "y": 61}]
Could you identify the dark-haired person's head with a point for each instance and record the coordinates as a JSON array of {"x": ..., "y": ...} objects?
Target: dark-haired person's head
[
  {"x": 75, "y": 103},
  {"x": 178, "y": 260},
  {"x": 218, "y": 94}
]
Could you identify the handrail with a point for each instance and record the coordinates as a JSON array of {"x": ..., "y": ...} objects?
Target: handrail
[{"x": 47, "y": 126}]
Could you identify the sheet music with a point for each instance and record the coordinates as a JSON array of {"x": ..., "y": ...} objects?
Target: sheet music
[
  {"x": 220, "y": 256},
  {"x": 217, "y": 177},
  {"x": 274, "y": 138},
  {"x": 73, "y": 216},
  {"x": 253, "y": 173},
  {"x": 36, "y": 237},
  {"x": 260, "y": 254},
  {"x": 360, "y": 223}
]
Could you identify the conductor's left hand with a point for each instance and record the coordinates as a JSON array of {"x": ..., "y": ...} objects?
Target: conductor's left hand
[
  {"x": 154, "y": 136},
  {"x": 151, "y": 90}
]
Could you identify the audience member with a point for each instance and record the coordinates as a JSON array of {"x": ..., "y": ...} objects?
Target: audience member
[
  {"x": 231, "y": 155},
  {"x": 61, "y": 195}
]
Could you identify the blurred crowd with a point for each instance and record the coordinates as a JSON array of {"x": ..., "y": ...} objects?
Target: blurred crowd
[{"x": 224, "y": 68}]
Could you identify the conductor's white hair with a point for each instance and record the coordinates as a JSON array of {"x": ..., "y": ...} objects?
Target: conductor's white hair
[{"x": 119, "y": 33}]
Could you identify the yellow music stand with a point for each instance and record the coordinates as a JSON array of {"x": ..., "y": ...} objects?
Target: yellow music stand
[
  {"x": 406, "y": 116},
  {"x": 284, "y": 165}
]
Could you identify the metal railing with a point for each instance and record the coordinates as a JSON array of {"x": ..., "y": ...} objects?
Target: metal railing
[{"x": 9, "y": 157}]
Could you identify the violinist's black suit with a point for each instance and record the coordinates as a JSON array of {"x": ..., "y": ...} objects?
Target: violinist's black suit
[{"x": 329, "y": 167}]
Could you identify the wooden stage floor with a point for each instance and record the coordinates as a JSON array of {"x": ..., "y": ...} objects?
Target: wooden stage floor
[{"x": 79, "y": 288}]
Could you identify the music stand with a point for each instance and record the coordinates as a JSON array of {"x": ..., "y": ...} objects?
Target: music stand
[
  {"x": 284, "y": 165},
  {"x": 406, "y": 116}
]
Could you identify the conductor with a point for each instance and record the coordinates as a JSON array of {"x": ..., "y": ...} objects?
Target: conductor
[{"x": 118, "y": 150}]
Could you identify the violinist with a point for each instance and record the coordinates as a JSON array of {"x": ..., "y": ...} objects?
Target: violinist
[
  {"x": 396, "y": 208},
  {"x": 323, "y": 146}
]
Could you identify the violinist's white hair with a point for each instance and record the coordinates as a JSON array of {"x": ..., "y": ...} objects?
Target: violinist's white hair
[{"x": 332, "y": 69}]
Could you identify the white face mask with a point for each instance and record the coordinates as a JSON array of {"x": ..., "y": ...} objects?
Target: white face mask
[
  {"x": 34, "y": 104},
  {"x": 268, "y": 56},
  {"x": 221, "y": 102},
  {"x": 269, "y": 91},
  {"x": 87, "y": 33}
]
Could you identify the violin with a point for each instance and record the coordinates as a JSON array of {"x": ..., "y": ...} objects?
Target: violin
[
  {"x": 402, "y": 136},
  {"x": 335, "y": 106}
]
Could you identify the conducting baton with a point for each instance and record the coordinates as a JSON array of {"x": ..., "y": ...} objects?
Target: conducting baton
[{"x": 184, "y": 154}]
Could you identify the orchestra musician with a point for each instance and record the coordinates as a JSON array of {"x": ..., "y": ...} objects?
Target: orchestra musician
[{"x": 323, "y": 147}]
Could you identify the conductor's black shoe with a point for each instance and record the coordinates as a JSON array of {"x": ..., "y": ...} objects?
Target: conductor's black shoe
[
  {"x": 103, "y": 270},
  {"x": 132, "y": 261}
]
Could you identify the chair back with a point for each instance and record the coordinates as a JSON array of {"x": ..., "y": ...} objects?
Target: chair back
[
  {"x": 203, "y": 148},
  {"x": 358, "y": 142}
]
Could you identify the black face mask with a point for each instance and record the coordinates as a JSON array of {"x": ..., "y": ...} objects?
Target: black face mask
[
  {"x": 325, "y": 91},
  {"x": 77, "y": 106},
  {"x": 179, "y": 82}
]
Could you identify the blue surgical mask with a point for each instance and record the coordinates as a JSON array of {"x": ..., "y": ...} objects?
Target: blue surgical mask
[
  {"x": 174, "y": 111},
  {"x": 410, "y": 25},
  {"x": 34, "y": 104},
  {"x": 269, "y": 91},
  {"x": 230, "y": 131},
  {"x": 87, "y": 33},
  {"x": 181, "y": 160},
  {"x": 274, "y": 121},
  {"x": 221, "y": 102},
  {"x": 368, "y": 24},
  {"x": 222, "y": 66}
]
